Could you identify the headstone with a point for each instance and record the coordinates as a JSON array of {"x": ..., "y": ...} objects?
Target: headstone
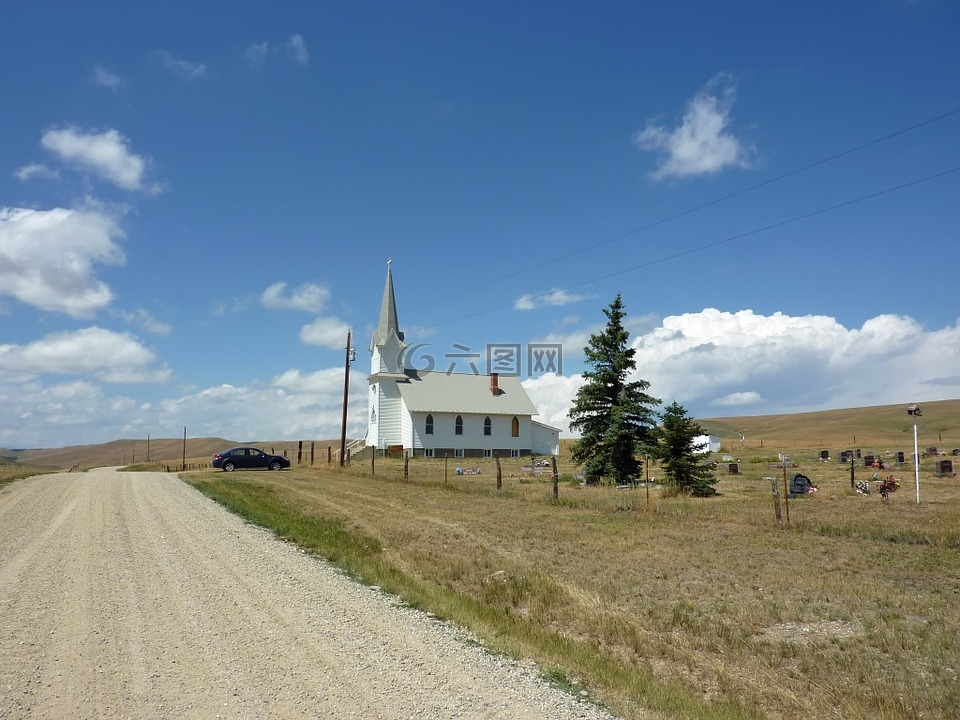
[
  {"x": 858, "y": 453},
  {"x": 900, "y": 457},
  {"x": 846, "y": 456},
  {"x": 824, "y": 455},
  {"x": 868, "y": 459},
  {"x": 733, "y": 469},
  {"x": 956, "y": 451},
  {"x": 944, "y": 467}
]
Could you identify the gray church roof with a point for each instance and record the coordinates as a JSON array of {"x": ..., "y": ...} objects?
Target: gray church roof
[{"x": 426, "y": 391}]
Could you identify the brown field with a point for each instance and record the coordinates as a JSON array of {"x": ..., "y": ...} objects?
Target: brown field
[{"x": 668, "y": 606}]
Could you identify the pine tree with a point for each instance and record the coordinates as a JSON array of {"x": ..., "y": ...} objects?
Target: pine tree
[
  {"x": 614, "y": 415},
  {"x": 685, "y": 467}
]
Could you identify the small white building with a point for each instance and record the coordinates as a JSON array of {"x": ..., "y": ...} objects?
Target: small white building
[
  {"x": 707, "y": 443},
  {"x": 432, "y": 414}
]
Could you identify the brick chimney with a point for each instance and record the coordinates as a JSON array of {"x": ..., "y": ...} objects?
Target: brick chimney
[{"x": 495, "y": 383}]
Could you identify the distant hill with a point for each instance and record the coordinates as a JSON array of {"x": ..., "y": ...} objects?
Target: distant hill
[
  {"x": 884, "y": 427},
  {"x": 127, "y": 452},
  {"x": 881, "y": 428}
]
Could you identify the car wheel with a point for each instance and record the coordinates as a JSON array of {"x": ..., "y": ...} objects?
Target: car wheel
[
  {"x": 228, "y": 467},
  {"x": 275, "y": 465}
]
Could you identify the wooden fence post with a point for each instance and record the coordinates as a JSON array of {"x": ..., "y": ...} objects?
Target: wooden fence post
[
  {"x": 312, "y": 443},
  {"x": 299, "y": 451},
  {"x": 329, "y": 454},
  {"x": 776, "y": 500},
  {"x": 556, "y": 479},
  {"x": 499, "y": 475},
  {"x": 373, "y": 468},
  {"x": 786, "y": 491},
  {"x": 406, "y": 468}
]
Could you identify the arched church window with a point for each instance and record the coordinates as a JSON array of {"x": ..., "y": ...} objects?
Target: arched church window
[
  {"x": 458, "y": 426},
  {"x": 428, "y": 425},
  {"x": 515, "y": 427},
  {"x": 487, "y": 426}
]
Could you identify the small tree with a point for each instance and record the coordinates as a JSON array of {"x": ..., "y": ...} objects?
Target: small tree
[
  {"x": 614, "y": 415},
  {"x": 684, "y": 466}
]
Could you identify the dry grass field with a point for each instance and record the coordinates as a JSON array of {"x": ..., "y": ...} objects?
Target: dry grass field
[{"x": 660, "y": 606}]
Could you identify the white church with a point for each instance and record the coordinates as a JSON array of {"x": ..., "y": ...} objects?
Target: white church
[{"x": 435, "y": 414}]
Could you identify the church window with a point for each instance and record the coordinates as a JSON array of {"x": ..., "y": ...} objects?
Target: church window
[
  {"x": 428, "y": 425},
  {"x": 458, "y": 425},
  {"x": 488, "y": 453},
  {"x": 515, "y": 427},
  {"x": 487, "y": 426}
]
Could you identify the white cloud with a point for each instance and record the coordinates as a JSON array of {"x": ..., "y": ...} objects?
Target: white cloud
[
  {"x": 144, "y": 320},
  {"x": 47, "y": 258},
  {"x": 184, "y": 68},
  {"x": 308, "y": 297},
  {"x": 556, "y": 297},
  {"x": 105, "y": 154},
  {"x": 35, "y": 170},
  {"x": 298, "y": 49},
  {"x": 703, "y": 143},
  {"x": 792, "y": 364},
  {"x": 256, "y": 53},
  {"x": 712, "y": 361},
  {"x": 324, "y": 382},
  {"x": 95, "y": 352},
  {"x": 102, "y": 76},
  {"x": 325, "y": 331},
  {"x": 740, "y": 398}
]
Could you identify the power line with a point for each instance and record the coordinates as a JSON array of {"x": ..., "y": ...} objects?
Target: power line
[
  {"x": 715, "y": 243},
  {"x": 694, "y": 209}
]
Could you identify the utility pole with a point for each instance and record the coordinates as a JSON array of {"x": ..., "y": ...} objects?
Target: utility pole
[{"x": 346, "y": 392}]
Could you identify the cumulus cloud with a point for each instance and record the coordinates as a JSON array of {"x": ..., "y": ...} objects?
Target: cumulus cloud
[
  {"x": 702, "y": 143},
  {"x": 325, "y": 331},
  {"x": 35, "y": 170},
  {"x": 308, "y": 297},
  {"x": 107, "y": 79},
  {"x": 556, "y": 297},
  {"x": 47, "y": 258},
  {"x": 107, "y": 155},
  {"x": 298, "y": 49},
  {"x": 713, "y": 362},
  {"x": 95, "y": 352},
  {"x": 779, "y": 363},
  {"x": 184, "y": 68},
  {"x": 323, "y": 382}
]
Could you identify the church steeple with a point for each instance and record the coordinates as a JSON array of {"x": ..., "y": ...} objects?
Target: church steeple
[
  {"x": 388, "y": 310},
  {"x": 386, "y": 343}
]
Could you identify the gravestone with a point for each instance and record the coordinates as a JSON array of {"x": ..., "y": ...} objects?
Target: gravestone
[
  {"x": 944, "y": 467},
  {"x": 900, "y": 457},
  {"x": 733, "y": 469},
  {"x": 824, "y": 455}
]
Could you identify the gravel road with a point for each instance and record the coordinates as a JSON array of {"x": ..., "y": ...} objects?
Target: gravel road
[{"x": 130, "y": 595}]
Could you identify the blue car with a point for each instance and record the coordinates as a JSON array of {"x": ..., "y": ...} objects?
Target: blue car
[{"x": 243, "y": 458}]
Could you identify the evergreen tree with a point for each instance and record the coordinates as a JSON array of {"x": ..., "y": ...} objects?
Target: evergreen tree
[
  {"x": 614, "y": 415},
  {"x": 684, "y": 466}
]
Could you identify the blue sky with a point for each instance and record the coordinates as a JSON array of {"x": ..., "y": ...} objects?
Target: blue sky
[{"x": 197, "y": 200}]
